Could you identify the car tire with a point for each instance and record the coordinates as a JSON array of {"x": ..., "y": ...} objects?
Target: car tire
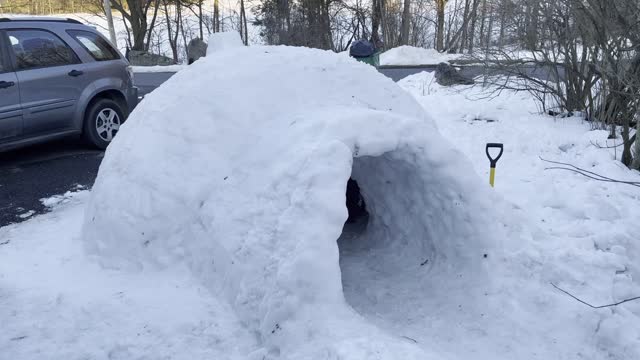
[{"x": 102, "y": 121}]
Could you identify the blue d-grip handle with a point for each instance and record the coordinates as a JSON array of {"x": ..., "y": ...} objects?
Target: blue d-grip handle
[{"x": 494, "y": 161}]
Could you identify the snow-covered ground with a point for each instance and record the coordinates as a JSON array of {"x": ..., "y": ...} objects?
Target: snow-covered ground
[
  {"x": 205, "y": 258},
  {"x": 56, "y": 303}
]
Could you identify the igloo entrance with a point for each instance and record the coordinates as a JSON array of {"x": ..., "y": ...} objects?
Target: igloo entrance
[
  {"x": 386, "y": 202},
  {"x": 408, "y": 259}
]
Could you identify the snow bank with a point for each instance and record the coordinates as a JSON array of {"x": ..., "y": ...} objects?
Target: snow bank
[
  {"x": 244, "y": 184},
  {"x": 223, "y": 41},
  {"x": 409, "y": 55}
]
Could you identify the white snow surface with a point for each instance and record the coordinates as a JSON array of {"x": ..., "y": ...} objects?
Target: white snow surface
[
  {"x": 220, "y": 235},
  {"x": 411, "y": 55},
  {"x": 56, "y": 303},
  {"x": 222, "y": 41}
]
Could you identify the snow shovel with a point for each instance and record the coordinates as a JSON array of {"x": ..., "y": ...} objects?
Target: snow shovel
[{"x": 494, "y": 161}]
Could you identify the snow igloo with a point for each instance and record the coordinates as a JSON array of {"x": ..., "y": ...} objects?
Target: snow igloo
[{"x": 236, "y": 169}]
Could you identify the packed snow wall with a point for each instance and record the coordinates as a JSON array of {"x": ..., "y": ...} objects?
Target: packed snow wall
[{"x": 235, "y": 169}]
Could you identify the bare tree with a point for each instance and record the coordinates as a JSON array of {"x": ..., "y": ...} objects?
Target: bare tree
[
  {"x": 135, "y": 12},
  {"x": 585, "y": 59},
  {"x": 173, "y": 23}
]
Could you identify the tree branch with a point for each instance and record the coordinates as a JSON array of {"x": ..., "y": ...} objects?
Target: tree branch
[
  {"x": 587, "y": 173},
  {"x": 594, "y": 306}
]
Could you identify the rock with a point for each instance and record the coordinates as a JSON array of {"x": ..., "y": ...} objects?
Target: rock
[
  {"x": 196, "y": 49},
  {"x": 143, "y": 58},
  {"x": 447, "y": 75}
]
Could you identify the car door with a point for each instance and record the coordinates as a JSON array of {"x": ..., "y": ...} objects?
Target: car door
[
  {"x": 50, "y": 77},
  {"x": 10, "y": 110}
]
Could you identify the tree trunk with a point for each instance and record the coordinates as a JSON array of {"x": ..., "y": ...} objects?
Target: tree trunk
[
  {"x": 375, "y": 22},
  {"x": 243, "y": 24},
  {"x": 474, "y": 18},
  {"x": 383, "y": 23},
  {"x": 200, "y": 19},
  {"x": 326, "y": 25},
  {"x": 489, "y": 31},
  {"x": 177, "y": 32},
  {"x": 406, "y": 22},
  {"x": 216, "y": 16},
  {"x": 531, "y": 26},
  {"x": 483, "y": 19},
  {"x": 440, "y": 5},
  {"x": 503, "y": 20},
  {"x": 465, "y": 25}
]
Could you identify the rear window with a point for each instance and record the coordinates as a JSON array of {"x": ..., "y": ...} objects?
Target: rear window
[{"x": 99, "y": 48}]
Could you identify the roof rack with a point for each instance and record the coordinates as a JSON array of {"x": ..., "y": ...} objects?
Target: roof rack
[{"x": 41, "y": 19}]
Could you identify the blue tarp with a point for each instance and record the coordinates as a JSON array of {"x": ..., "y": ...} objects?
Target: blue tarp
[{"x": 362, "y": 48}]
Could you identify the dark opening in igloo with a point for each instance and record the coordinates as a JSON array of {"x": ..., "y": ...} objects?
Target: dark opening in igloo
[{"x": 355, "y": 203}]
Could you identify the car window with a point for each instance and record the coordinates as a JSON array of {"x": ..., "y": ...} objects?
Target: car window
[
  {"x": 98, "y": 47},
  {"x": 38, "y": 49}
]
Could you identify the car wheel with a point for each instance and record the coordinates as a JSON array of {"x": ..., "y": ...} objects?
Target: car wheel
[{"x": 102, "y": 122}]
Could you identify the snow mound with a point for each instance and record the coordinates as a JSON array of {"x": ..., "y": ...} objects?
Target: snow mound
[
  {"x": 223, "y": 41},
  {"x": 410, "y": 55},
  {"x": 236, "y": 168}
]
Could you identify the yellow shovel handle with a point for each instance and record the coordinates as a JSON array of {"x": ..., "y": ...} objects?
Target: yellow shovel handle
[{"x": 492, "y": 176}]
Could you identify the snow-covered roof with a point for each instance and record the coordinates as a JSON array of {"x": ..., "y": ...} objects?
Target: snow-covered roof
[{"x": 236, "y": 169}]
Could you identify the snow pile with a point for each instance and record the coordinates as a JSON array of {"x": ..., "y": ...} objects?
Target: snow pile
[
  {"x": 409, "y": 55},
  {"x": 223, "y": 41},
  {"x": 56, "y": 200},
  {"x": 244, "y": 184}
]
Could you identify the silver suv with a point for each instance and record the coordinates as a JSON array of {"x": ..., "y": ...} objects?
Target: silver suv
[{"x": 58, "y": 78}]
